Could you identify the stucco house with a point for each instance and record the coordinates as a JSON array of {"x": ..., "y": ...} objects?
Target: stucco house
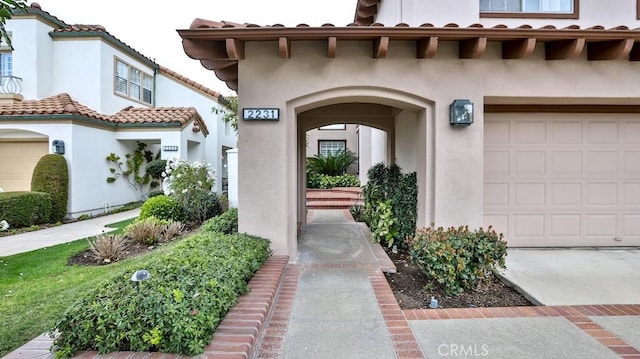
[
  {"x": 523, "y": 115},
  {"x": 80, "y": 86}
]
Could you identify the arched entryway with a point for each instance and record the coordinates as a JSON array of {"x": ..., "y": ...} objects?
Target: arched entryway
[{"x": 403, "y": 117}]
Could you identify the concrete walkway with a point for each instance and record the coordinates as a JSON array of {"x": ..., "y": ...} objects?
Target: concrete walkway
[{"x": 29, "y": 241}]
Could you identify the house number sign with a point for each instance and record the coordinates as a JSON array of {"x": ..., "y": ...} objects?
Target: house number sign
[{"x": 261, "y": 114}]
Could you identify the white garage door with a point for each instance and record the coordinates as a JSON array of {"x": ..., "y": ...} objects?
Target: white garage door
[
  {"x": 17, "y": 160},
  {"x": 563, "y": 179}
]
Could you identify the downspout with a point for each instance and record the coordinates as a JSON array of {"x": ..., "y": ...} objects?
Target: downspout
[{"x": 155, "y": 75}]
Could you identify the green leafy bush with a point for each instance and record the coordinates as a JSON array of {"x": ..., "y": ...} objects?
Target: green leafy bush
[
  {"x": 457, "y": 258},
  {"x": 226, "y": 223},
  {"x": 51, "y": 175},
  {"x": 384, "y": 229},
  {"x": 24, "y": 209},
  {"x": 177, "y": 310},
  {"x": 315, "y": 180},
  {"x": 332, "y": 165},
  {"x": 162, "y": 207},
  {"x": 388, "y": 183},
  {"x": 156, "y": 167}
]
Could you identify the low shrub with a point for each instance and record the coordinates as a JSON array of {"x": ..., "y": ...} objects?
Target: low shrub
[
  {"x": 357, "y": 212},
  {"x": 457, "y": 258},
  {"x": 177, "y": 310},
  {"x": 334, "y": 164},
  {"x": 226, "y": 223},
  {"x": 162, "y": 207},
  {"x": 172, "y": 230},
  {"x": 108, "y": 247},
  {"x": 25, "y": 209},
  {"x": 155, "y": 194},
  {"x": 321, "y": 181},
  {"x": 147, "y": 230}
]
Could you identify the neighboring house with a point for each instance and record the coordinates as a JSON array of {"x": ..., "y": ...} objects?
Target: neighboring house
[
  {"x": 328, "y": 140},
  {"x": 521, "y": 114},
  {"x": 81, "y": 86}
]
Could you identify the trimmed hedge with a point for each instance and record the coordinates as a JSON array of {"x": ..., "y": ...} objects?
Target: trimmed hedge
[
  {"x": 24, "y": 209},
  {"x": 315, "y": 180},
  {"x": 51, "y": 175},
  {"x": 226, "y": 223},
  {"x": 163, "y": 207},
  {"x": 191, "y": 289}
]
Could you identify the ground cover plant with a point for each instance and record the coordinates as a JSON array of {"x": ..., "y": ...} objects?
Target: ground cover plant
[
  {"x": 36, "y": 287},
  {"x": 191, "y": 288}
]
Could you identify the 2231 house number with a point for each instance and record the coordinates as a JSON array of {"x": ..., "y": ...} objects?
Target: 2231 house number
[{"x": 261, "y": 114}]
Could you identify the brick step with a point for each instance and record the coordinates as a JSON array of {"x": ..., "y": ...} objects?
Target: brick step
[
  {"x": 332, "y": 204},
  {"x": 332, "y": 196}
]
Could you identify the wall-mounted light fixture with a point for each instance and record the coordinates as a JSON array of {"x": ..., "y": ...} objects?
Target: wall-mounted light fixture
[
  {"x": 170, "y": 148},
  {"x": 461, "y": 113},
  {"x": 57, "y": 147}
]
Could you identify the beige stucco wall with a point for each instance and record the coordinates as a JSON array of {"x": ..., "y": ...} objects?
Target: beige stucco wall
[{"x": 449, "y": 160}]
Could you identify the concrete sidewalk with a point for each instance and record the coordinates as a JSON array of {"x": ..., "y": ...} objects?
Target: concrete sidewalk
[{"x": 29, "y": 241}]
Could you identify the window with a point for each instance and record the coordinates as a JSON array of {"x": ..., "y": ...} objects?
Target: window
[
  {"x": 340, "y": 126},
  {"x": 6, "y": 64},
  {"x": 133, "y": 83},
  {"x": 327, "y": 148},
  {"x": 532, "y": 8}
]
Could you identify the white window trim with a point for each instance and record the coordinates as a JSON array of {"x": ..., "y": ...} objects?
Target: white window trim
[{"x": 127, "y": 95}]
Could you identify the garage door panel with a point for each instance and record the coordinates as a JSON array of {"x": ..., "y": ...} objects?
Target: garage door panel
[
  {"x": 564, "y": 225},
  {"x": 496, "y": 163},
  {"x": 566, "y": 132},
  {"x": 499, "y": 222},
  {"x": 566, "y": 163},
  {"x": 602, "y": 194},
  {"x": 631, "y": 194},
  {"x": 530, "y": 163},
  {"x": 496, "y": 194},
  {"x": 603, "y": 132},
  {"x": 529, "y": 132},
  {"x": 571, "y": 180},
  {"x": 497, "y": 133},
  {"x": 566, "y": 194},
  {"x": 602, "y": 163},
  {"x": 529, "y": 194},
  {"x": 600, "y": 225},
  {"x": 631, "y": 162},
  {"x": 528, "y": 226}
]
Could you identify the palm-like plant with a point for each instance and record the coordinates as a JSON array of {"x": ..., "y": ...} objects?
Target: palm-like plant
[{"x": 332, "y": 165}]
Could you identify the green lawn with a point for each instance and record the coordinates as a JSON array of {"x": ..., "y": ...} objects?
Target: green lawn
[{"x": 36, "y": 288}]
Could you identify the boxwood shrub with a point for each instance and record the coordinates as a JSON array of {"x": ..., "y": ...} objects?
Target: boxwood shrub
[
  {"x": 322, "y": 181},
  {"x": 457, "y": 258},
  {"x": 163, "y": 207},
  {"x": 24, "y": 209},
  {"x": 175, "y": 311},
  {"x": 51, "y": 175}
]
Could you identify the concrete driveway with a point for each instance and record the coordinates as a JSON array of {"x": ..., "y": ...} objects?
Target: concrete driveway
[{"x": 576, "y": 276}]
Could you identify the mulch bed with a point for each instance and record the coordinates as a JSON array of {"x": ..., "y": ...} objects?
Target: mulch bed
[
  {"x": 409, "y": 281},
  {"x": 85, "y": 258}
]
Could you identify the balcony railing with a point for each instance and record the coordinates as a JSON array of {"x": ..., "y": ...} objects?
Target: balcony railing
[{"x": 10, "y": 85}]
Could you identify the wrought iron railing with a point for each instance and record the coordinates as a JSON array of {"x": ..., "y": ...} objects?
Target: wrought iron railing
[{"x": 10, "y": 85}]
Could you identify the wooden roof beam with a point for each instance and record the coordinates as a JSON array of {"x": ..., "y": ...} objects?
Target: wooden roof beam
[
  {"x": 284, "y": 47},
  {"x": 609, "y": 50},
  {"x": 472, "y": 48},
  {"x": 563, "y": 49},
  {"x": 381, "y": 47},
  {"x": 332, "y": 44},
  {"x": 427, "y": 48},
  {"x": 518, "y": 49}
]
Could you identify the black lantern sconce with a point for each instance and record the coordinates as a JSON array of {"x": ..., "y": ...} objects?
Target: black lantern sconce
[
  {"x": 57, "y": 146},
  {"x": 461, "y": 112}
]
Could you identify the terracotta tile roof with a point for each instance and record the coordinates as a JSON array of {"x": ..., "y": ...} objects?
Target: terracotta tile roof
[
  {"x": 160, "y": 115},
  {"x": 189, "y": 82},
  {"x": 366, "y": 11},
  {"x": 63, "y": 104},
  {"x": 220, "y": 44}
]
